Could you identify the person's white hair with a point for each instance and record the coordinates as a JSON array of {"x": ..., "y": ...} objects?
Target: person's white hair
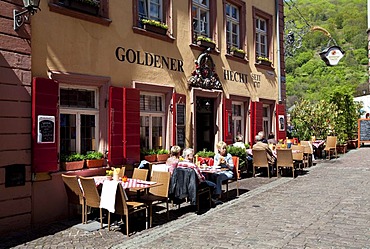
[
  {"x": 258, "y": 138},
  {"x": 187, "y": 152}
]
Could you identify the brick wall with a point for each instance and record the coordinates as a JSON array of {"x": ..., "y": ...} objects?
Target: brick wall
[{"x": 15, "y": 117}]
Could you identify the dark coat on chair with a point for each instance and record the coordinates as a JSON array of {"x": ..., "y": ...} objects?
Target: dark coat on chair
[{"x": 184, "y": 184}]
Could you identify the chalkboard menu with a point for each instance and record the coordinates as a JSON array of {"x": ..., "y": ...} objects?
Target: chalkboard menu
[
  {"x": 46, "y": 129},
  {"x": 363, "y": 130},
  {"x": 181, "y": 136},
  {"x": 180, "y": 114}
]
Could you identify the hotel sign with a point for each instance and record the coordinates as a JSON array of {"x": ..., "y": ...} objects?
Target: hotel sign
[{"x": 332, "y": 55}]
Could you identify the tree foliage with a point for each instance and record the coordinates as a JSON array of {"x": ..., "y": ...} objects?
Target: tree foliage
[{"x": 308, "y": 77}]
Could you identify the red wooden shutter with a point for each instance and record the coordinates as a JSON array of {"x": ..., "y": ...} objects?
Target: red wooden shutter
[
  {"x": 44, "y": 102},
  {"x": 131, "y": 125},
  {"x": 178, "y": 130},
  {"x": 227, "y": 121},
  {"x": 115, "y": 153},
  {"x": 256, "y": 119},
  {"x": 280, "y": 110}
]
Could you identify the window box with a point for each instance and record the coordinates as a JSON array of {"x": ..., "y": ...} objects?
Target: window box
[
  {"x": 155, "y": 29},
  {"x": 72, "y": 165},
  {"x": 94, "y": 163},
  {"x": 88, "y": 6},
  {"x": 206, "y": 42},
  {"x": 238, "y": 54},
  {"x": 264, "y": 61},
  {"x": 150, "y": 158}
]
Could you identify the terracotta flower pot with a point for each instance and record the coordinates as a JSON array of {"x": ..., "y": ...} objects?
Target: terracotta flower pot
[
  {"x": 162, "y": 157},
  {"x": 72, "y": 165},
  {"x": 151, "y": 158},
  {"x": 94, "y": 163}
]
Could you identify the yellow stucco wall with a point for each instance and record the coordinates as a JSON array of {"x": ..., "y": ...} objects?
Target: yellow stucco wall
[{"x": 67, "y": 44}]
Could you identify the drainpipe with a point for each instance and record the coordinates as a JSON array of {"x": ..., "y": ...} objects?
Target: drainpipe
[{"x": 278, "y": 48}]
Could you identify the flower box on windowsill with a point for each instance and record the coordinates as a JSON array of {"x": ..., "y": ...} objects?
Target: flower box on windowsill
[
  {"x": 206, "y": 44},
  {"x": 72, "y": 165},
  {"x": 82, "y": 7},
  {"x": 155, "y": 29},
  {"x": 264, "y": 62},
  {"x": 95, "y": 163},
  {"x": 238, "y": 54}
]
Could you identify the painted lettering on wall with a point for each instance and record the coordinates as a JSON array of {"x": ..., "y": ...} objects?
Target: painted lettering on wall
[
  {"x": 235, "y": 76},
  {"x": 256, "y": 79},
  {"x": 148, "y": 59}
]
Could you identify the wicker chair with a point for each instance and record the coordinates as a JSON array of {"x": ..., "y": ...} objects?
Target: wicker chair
[
  {"x": 92, "y": 196},
  {"x": 125, "y": 207},
  {"x": 298, "y": 155},
  {"x": 284, "y": 160},
  {"x": 140, "y": 174},
  {"x": 235, "y": 178},
  {"x": 158, "y": 194},
  {"x": 331, "y": 145},
  {"x": 74, "y": 192},
  {"x": 308, "y": 152},
  {"x": 260, "y": 160}
]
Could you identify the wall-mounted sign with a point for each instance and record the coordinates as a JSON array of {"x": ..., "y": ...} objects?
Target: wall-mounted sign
[
  {"x": 281, "y": 123},
  {"x": 332, "y": 55},
  {"x": 180, "y": 114},
  {"x": 235, "y": 76},
  {"x": 45, "y": 129},
  {"x": 256, "y": 79}
]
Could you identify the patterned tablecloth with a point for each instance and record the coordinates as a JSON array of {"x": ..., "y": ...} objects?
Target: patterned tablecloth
[{"x": 131, "y": 183}]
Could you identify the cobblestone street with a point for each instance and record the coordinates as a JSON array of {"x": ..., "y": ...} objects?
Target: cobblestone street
[{"x": 326, "y": 206}]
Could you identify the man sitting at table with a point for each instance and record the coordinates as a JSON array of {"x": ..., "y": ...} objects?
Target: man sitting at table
[{"x": 260, "y": 145}]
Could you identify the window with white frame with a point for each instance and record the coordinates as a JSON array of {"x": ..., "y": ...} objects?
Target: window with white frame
[
  {"x": 261, "y": 38},
  {"x": 201, "y": 18},
  {"x": 150, "y": 9},
  {"x": 232, "y": 26},
  {"x": 152, "y": 117},
  {"x": 79, "y": 113},
  {"x": 238, "y": 118}
]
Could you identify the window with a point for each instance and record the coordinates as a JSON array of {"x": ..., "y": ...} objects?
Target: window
[
  {"x": 232, "y": 26},
  {"x": 266, "y": 120},
  {"x": 201, "y": 18},
  {"x": 78, "y": 120},
  {"x": 93, "y": 10},
  {"x": 150, "y": 9},
  {"x": 262, "y": 33},
  {"x": 238, "y": 120},
  {"x": 152, "y": 116},
  {"x": 261, "y": 38}
]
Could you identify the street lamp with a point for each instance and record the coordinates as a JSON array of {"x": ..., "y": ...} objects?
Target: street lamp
[{"x": 31, "y": 7}]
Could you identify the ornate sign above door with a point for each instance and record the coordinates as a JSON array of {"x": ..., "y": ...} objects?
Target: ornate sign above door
[{"x": 204, "y": 75}]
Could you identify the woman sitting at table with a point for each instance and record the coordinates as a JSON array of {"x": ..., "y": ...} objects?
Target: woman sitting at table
[
  {"x": 173, "y": 160},
  {"x": 187, "y": 162},
  {"x": 225, "y": 160}
]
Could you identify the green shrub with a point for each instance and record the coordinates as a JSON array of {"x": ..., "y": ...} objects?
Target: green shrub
[
  {"x": 146, "y": 152},
  {"x": 72, "y": 157},
  {"x": 94, "y": 155},
  {"x": 162, "y": 152},
  {"x": 205, "y": 153}
]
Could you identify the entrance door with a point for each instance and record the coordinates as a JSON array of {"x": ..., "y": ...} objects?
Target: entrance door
[{"x": 205, "y": 122}]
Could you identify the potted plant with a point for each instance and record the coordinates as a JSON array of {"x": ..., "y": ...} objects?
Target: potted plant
[
  {"x": 264, "y": 61},
  {"x": 88, "y": 6},
  {"x": 206, "y": 42},
  {"x": 72, "y": 161},
  {"x": 155, "y": 26},
  {"x": 94, "y": 159},
  {"x": 162, "y": 155},
  {"x": 149, "y": 155},
  {"x": 205, "y": 157},
  {"x": 237, "y": 52}
]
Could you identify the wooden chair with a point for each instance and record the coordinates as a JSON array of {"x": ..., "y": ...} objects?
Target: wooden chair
[
  {"x": 284, "y": 160},
  {"x": 260, "y": 160},
  {"x": 92, "y": 196},
  {"x": 158, "y": 194},
  {"x": 298, "y": 155},
  {"x": 235, "y": 178},
  {"x": 140, "y": 174},
  {"x": 308, "y": 152},
  {"x": 331, "y": 145},
  {"x": 125, "y": 208},
  {"x": 74, "y": 192}
]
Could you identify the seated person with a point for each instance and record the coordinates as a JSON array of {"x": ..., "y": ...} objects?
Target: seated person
[
  {"x": 173, "y": 160},
  {"x": 239, "y": 141},
  {"x": 271, "y": 139},
  {"x": 225, "y": 160},
  {"x": 270, "y": 155},
  {"x": 262, "y": 135},
  {"x": 188, "y": 155}
]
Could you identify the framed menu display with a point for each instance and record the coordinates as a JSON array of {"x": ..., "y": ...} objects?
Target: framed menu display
[
  {"x": 363, "y": 131},
  {"x": 45, "y": 129},
  {"x": 180, "y": 124},
  {"x": 180, "y": 114}
]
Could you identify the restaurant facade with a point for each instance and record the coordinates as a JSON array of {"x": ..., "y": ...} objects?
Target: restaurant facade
[{"x": 101, "y": 79}]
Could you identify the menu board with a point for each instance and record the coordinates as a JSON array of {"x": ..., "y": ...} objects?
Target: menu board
[
  {"x": 363, "y": 130},
  {"x": 180, "y": 114},
  {"x": 46, "y": 129},
  {"x": 180, "y": 136}
]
